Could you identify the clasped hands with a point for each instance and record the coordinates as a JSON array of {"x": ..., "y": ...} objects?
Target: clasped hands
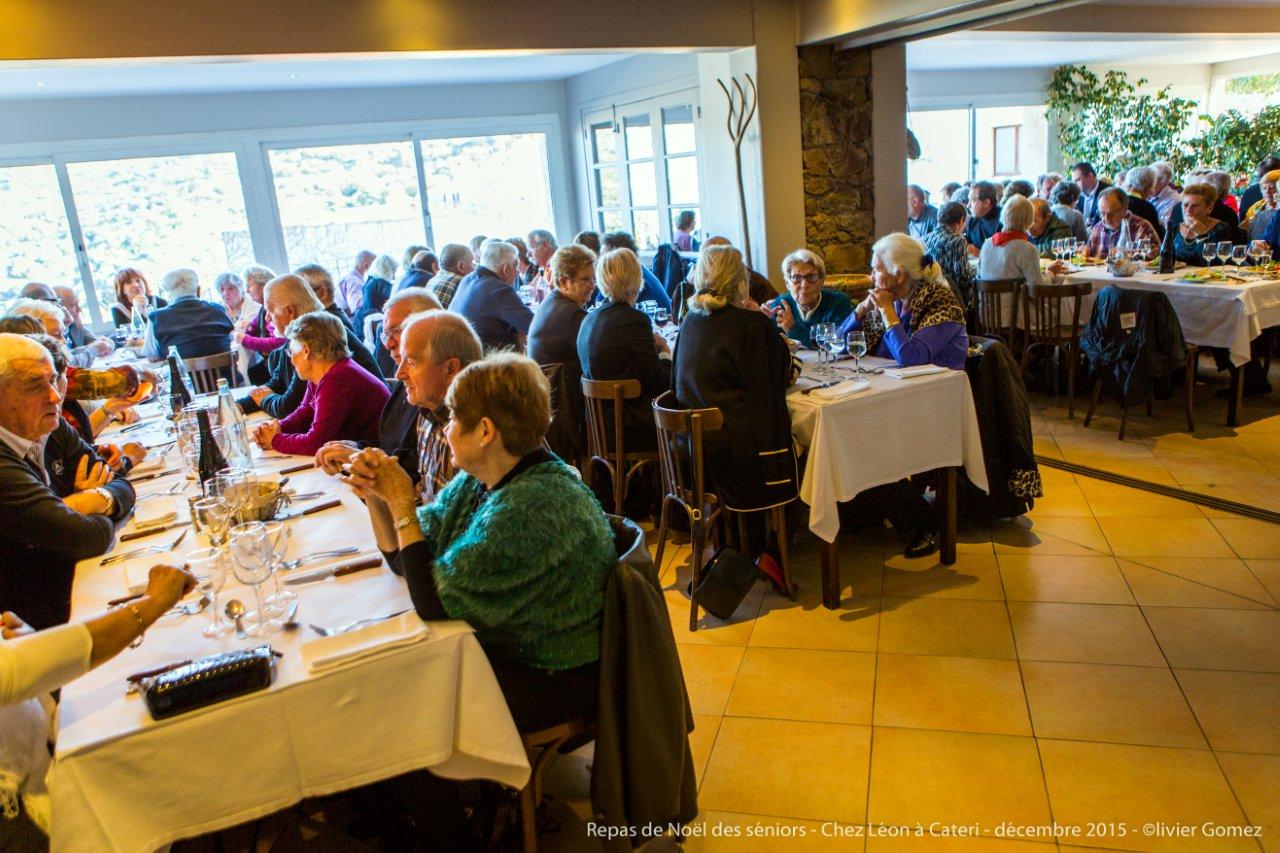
[
  {"x": 86, "y": 499},
  {"x": 372, "y": 474}
]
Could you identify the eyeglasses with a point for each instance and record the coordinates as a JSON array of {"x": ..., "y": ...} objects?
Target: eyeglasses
[
  {"x": 812, "y": 278},
  {"x": 386, "y": 333}
]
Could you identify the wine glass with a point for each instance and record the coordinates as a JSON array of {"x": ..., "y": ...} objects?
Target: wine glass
[
  {"x": 209, "y": 565},
  {"x": 857, "y": 343},
  {"x": 252, "y": 564},
  {"x": 213, "y": 519},
  {"x": 1256, "y": 252},
  {"x": 1224, "y": 250},
  {"x": 1078, "y": 248},
  {"x": 817, "y": 336},
  {"x": 1238, "y": 254},
  {"x": 278, "y": 535},
  {"x": 662, "y": 317},
  {"x": 1207, "y": 252},
  {"x": 835, "y": 344}
]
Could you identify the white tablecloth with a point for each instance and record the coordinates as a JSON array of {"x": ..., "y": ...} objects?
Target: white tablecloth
[
  {"x": 122, "y": 781},
  {"x": 894, "y": 429}
]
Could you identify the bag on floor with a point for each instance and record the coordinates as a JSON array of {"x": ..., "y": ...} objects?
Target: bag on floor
[{"x": 726, "y": 580}]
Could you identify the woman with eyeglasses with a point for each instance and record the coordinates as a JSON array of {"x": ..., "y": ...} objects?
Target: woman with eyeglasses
[{"x": 806, "y": 303}]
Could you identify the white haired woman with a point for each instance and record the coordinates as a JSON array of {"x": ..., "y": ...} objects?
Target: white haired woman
[
  {"x": 1010, "y": 253},
  {"x": 806, "y": 303},
  {"x": 731, "y": 357}
]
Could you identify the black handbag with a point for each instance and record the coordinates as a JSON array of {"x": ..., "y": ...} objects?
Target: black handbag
[
  {"x": 210, "y": 680},
  {"x": 726, "y": 580}
]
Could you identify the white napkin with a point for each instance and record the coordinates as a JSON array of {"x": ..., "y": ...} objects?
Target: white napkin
[
  {"x": 330, "y": 652},
  {"x": 153, "y": 511},
  {"x": 153, "y": 462},
  {"x": 138, "y": 570},
  {"x": 847, "y": 388},
  {"x": 908, "y": 372}
]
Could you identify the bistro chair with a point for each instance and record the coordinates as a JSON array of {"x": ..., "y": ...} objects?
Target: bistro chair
[
  {"x": 1051, "y": 327},
  {"x": 543, "y": 747},
  {"x": 614, "y": 458},
  {"x": 207, "y": 370},
  {"x": 856, "y": 286},
  {"x": 991, "y": 296}
]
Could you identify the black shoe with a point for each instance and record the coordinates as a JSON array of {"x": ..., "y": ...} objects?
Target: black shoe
[{"x": 922, "y": 544}]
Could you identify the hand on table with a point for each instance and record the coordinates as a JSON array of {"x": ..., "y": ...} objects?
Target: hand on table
[
  {"x": 332, "y": 456},
  {"x": 11, "y": 626},
  {"x": 264, "y": 433},
  {"x": 260, "y": 393},
  {"x": 136, "y": 452},
  {"x": 1058, "y": 268},
  {"x": 110, "y": 454},
  {"x": 167, "y": 584},
  {"x": 90, "y": 502}
]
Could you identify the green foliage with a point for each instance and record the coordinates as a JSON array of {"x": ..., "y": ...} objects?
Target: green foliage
[
  {"x": 1256, "y": 84},
  {"x": 1235, "y": 142}
]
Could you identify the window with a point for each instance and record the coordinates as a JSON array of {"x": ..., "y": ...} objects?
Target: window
[
  {"x": 492, "y": 185},
  {"x": 33, "y": 230},
  {"x": 1004, "y": 147},
  {"x": 944, "y": 149},
  {"x": 337, "y": 200},
  {"x": 159, "y": 214},
  {"x": 978, "y": 143}
]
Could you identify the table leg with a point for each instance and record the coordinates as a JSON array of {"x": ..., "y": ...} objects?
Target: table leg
[
  {"x": 947, "y": 513},
  {"x": 831, "y": 574},
  {"x": 1236, "y": 395}
]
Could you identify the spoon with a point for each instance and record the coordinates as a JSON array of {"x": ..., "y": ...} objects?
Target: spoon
[
  {"x": 291, "y": 616},
  {"x": 235, "y": 610}
]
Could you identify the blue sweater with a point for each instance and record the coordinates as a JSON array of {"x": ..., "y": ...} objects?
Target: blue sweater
[{"x": 833, "y": 307}]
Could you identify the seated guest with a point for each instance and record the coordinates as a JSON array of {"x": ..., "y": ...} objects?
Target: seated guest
[
  {"x": 1045, "y": 184},
  {"x": 59, "y": 500},
  {"x": 197, "y": 328},
  {"x": 684, "y": 239},
  {"x": 922, "y": 217},
  {"x": 590, "y": 240},
  {"x": 419, "y": 270},
  {"x": 1253, "y": 193},
  {"x": 35, "y": 663},
  {"x": 455, "y": 264},
  {"x": 1164, "y": 198},
  {"x": 476, "y": 243},
  {"x": 1063, "y": 200},
  {"x": 553, "y": 334},
  {"x": 1010, "y": 253},
  {"x": 342, "y": 400},
  {"x": 525, "y": 272},
  {"x": 542, "y": 245},
  {"x": 1045, "y": 226},
  {"x": 652, "y": 291},
  {"x": 1197, "y": 226},
  {"x": 806, "y": 303},
  {"x": 350, "y": 290},
  {"x": 432, "y": 349},
  {"x": 950, "y": 249},
  {"x": 984, "y": 215},
  {"x": 53, "y": 322},
  {"x": 1221, "y": 181},
  {"x": 947, "y": 191},
  {"x": 1139, "y": 182},
  {"x": 411, "y": 252},
  {"x": 1113, "y": 211},
  {"x": 78, "y": 335},
  {"x": 487, "y": 298},
  {"x": 1258, "y": 217},
  {"x": 258, "y": 336},
  {"x": 239, "y": 307},
  {"x": 288, "y": 297},
  {"x": 322, "y": 285},
  {"x": 911, "y": 315},
  {"x": 1084, "y": 177},
  {"x": 533, "y": 592},
  {"x": 418, "y": 299},
  {"x": 133, "y": 289},
  {"x": 377, "y": 289},
  {"x": 1219, "y": 210},
  {"x": 617, "y": 341},
  {"x": 1017, "y": 186},
  {"x": 759, "y": 289}
]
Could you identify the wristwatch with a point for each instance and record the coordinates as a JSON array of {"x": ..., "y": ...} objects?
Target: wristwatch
[{"x": 106, "y": 495}]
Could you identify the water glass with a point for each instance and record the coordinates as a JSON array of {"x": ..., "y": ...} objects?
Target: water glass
[
  {"x": 212, "y": 518},
  {"x": 1256, "y": 252},
  {"x": 251, "y": 561},
  {"x": 1238, "y": 254},
  {"x": 278, "y": 535},
  {"x": 1207, "y": 252},
  {"x": 209, "y": 565},
  {"x": 1224, "y": 250},
  {"x": 857, "y": 343}
]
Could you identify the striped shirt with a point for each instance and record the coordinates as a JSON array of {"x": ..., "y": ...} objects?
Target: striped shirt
[{"x": 435, "y": 460}]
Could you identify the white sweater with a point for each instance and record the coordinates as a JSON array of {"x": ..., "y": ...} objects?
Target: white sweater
[{"x": 1015, "y": 259}]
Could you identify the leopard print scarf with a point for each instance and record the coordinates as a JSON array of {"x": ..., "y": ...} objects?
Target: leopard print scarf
[{"x": 929, "y": 305}]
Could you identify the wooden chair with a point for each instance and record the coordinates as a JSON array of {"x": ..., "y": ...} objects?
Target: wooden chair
[
  {"x": 1193, "y": 358},
  {"x": 620, "y": 464},
  {"x": 207, "y": 370},
  {"x": 1047, "y": 329},
  {"x": 547, "y": 744},
  {"x": 856, "y": 286},
  {"x": 989, "y": 315}
]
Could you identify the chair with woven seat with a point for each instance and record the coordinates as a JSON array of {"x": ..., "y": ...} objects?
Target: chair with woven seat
[
  {"x": 613, "y": 457},
  {"x": 991, "y": 295},
  {"x": 1050, "y": 327},
  {"x": 207, "y": 370}
]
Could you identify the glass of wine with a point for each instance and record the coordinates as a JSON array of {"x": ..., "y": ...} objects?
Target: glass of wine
[
  {"x": 209, "y": 566},
  {"x": 662, "y": 317},
  {"x": 251, "y": 561},
  {"x": 1207, "y": 251},
  {"x": 857, "y": 343},
  {"x": 1224, "y": 251}
]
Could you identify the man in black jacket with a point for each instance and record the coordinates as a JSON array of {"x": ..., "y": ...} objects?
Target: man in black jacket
[
  {"x": 57, "y": 497},
  {"x": 287, "y": 298}
]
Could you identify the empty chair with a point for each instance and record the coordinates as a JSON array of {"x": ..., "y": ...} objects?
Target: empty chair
[
  {"x": 1050, "y": 326},
  {"x": 995, "y": 312},
  {"x": 208, "y": 369}
]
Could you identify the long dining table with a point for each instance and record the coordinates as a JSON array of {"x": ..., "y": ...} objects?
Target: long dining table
[{"x": 123, "y": 781}]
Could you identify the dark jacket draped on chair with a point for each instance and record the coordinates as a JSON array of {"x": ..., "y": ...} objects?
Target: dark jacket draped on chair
[{"x": 1135, "y": 341}]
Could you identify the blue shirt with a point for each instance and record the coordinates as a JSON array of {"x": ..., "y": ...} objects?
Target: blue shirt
[
  {"x": 197, "y": 328},
  {"x": 943, "y": 344},
  {"x": 920, "y": 228},
  {"x": 833, "y": 307},
  {"x": 493, "y": 307}
]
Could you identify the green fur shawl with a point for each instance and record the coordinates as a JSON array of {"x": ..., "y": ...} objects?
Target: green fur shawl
[{"x": 525, "y": 564}]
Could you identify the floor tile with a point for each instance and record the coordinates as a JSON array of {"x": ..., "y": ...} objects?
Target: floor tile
[
  {"x": 1083, "y": 633},
  {"x": 951, "y": 694},
  {"x": 1253, "y": 778},
  {"x": 1164, "y": 537},
  {"x": 1061, "y": 496},
  {"x": 1079, "y": 579},
  {"x": 786, "y": 768},
  {"x": 709, "y": 673},
  {"x": 716, "y": 831},
  {"x": 806, "y": 624},
  {"x": 921, "y": 776},
  {"x": 1180, "y": 582},
  {"x": 1239, "y": 711},
  {"x": 1050, "y": 535},
  {"x": 1104, "y": 702},
  {"x": 1268, "y": 574},
  {"x": 1261, "y": 497},
  {"x": 1147, "y": 467},
  {"x": 1194, "y": 638},
  {"x": 1249, "y": 537},
  {"x": 702, "y": 739},
  {"x": 955, "y": 627},
  {"x": 972, "y": 576},
  {"x": 804, "y": 684},
  {"x": 1108, "y": 499},
  {"x": 1117, "y": 783},
  {"x": 735, "y": 631}
]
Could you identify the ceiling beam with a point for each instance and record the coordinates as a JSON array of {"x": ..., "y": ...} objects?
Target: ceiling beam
[{"x": 1137, "y": 22}]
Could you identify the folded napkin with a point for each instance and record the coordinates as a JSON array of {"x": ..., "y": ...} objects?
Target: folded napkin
[
  {"x": 908, "y": 372},
  {"x": 330, "y": 652},
  {"x": 153, "y": 462},
  {"x": 138, "y": 570},
  {"x": 153, "y": 511},
  {"x": 847, "y": 388}
]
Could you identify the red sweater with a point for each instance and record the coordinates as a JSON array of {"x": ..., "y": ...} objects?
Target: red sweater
[{"x": 345, "y": 404}]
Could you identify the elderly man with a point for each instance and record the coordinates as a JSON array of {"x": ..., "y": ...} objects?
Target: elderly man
[
  {"x": 1045, "y": 184},
  {"x": 984, "y": 215},
  {"x": 1113, "y": 211},
  {"x": 1087, "y": 180},
  {"x": 322, "y": 285},
  {"x": 806, "y": 302},
  {"x": 922, "y": 217},
  {"x": 196, "y": 327},
  {"x": 59, "y": 500},
  {"x": 1045, "y": 226},
  {"x": 1164, "y": 198},
  {"x": 58, "y": 322},
  {"x": 351, "y": 289},
  {"x": 542, "y": 245},
  {"x": 421, "y": 267},
  {"x": 488, "y": 300},
  {"x": 1140, "y": 182},
  {"x": 455, "y": 264},
  {"x": 78, "y": 335},
  {"x": 53, "y": 319},
  {"x": 287, "y": 298}
]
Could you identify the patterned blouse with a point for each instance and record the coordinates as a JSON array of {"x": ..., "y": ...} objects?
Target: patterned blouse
[{"x": 951, "y": 251}]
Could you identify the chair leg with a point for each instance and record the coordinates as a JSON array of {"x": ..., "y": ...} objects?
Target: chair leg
[
  {"x": 1124, "y": 419},
  {"x": 1093, "y": 400},
  {"x": 780, "y": 529},
  {"x": 662, "y": 533},
  {"x": 1072, "y": 359},
  {"x": 1193, "y": 357},
  {"x": 529, "y": 817},
  {"x": 698, "y": 539}
]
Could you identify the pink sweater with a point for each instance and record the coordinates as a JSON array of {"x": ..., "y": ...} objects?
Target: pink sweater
[{"x": 345, "y": 404}]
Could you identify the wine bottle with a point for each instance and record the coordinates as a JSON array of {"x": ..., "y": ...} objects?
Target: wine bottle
[
  {"x": 179, "y": 398},
  {"x": 1168, "y": 260},
  {"x": 188, "y": 387},
  {"x": 85, "y": 384},
  {"x": 211, "y": 460},
  {"x": 234, "y": 429}
]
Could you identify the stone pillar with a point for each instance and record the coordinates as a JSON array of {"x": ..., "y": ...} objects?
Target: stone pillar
[{"x": 835, "y": 117}]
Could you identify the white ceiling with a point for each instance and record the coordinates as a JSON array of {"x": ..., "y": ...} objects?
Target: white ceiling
[
  {"x": 246, "y": 74},
  {"x": 976, "y": 49}
]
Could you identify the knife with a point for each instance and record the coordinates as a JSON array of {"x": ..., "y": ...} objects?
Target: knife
[
  {"x": 309, "y": 510},
  {"x": 138, "y": 534},
  {"x": 296, "y": 468},
  {"x": 154, "y": 476},
  {"x": 335, "y": 571}
]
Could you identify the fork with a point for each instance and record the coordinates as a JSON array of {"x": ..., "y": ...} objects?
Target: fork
[
  {"x": 289, "y": 565},
  {"x": 351, "y": 626},
  {"x": 138, "y": 552}
]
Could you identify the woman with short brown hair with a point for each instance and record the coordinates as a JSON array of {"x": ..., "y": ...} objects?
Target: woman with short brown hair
[
  {"x": 1198, "y": 226},
  {"x": 132, "y": 288}
]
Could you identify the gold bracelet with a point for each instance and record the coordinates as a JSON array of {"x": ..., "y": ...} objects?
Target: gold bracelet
[{"x": 142, "y": 626}]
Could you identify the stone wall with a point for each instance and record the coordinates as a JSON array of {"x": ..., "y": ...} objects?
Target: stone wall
[{"x": 835, "y": 115}]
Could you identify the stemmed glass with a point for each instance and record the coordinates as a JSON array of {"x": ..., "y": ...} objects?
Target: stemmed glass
[
  {"x": 857, "y": 343},
  {"x": 1077, "y": 249},
  {"x": 278, "y": 535},
  {"x": 821, "y": 331},
  {"x": 1224, "y": 250},
  {"x": 1256, "y": 252},
  {"x": 661, "y": 317},
  {"x": 209, "y": 565},
  {"x": 1207, "y": 251},
  {"x": 251, "y": 561},
  {"x": 1238, "y": 254},
  {"x": 212, "y": 518},
  {"x": 835, "y": 344}
]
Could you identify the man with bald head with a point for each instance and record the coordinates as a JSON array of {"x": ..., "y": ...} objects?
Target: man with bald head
[
  {"x": 350, "y": 291},
  {"x": 59, "y": 500}
]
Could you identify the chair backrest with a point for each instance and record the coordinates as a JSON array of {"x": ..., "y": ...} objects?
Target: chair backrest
[
  {"x": 992, "y": 294},
  {"x": 680, "y": 455},
  {"x": 597, "y": 392},
  {"x": 1043, "y": 310},
  {"x": 208, "y": 369},
  {"x": 856, "y": 286}
]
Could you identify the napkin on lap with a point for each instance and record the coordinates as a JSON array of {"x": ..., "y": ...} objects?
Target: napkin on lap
[
  {"x": 908, "y": 372},
  {"x": 847, "y": 388},
  {"x": 326, "y": 653}
]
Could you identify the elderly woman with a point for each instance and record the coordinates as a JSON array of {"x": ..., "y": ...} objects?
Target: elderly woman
[
  {"x": 321, "y": 283},
  {"x": 553, "y": 334},
  {"x": 1010, "y": 253},
  {"x": 376, "y": 292},
  {"x": 133, "y": 289},
  {"x": 235, "y": 300},
  {"x": 35, "y": 663},
  {"x": 534, "y": 593},
  {"x": 1063, "y": 198},
  {"x": 732, "y": 357},
  {"x": 342, "y": 400},
  {"x": 1257, "y": 219},
  {"x": 911, "y": 315},
  {"x": 254, "y": 334},
  {"x": 806, "y": 303},
  {"x": 948, "y": 247},
  {"x": 1198, "y": 225}
]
